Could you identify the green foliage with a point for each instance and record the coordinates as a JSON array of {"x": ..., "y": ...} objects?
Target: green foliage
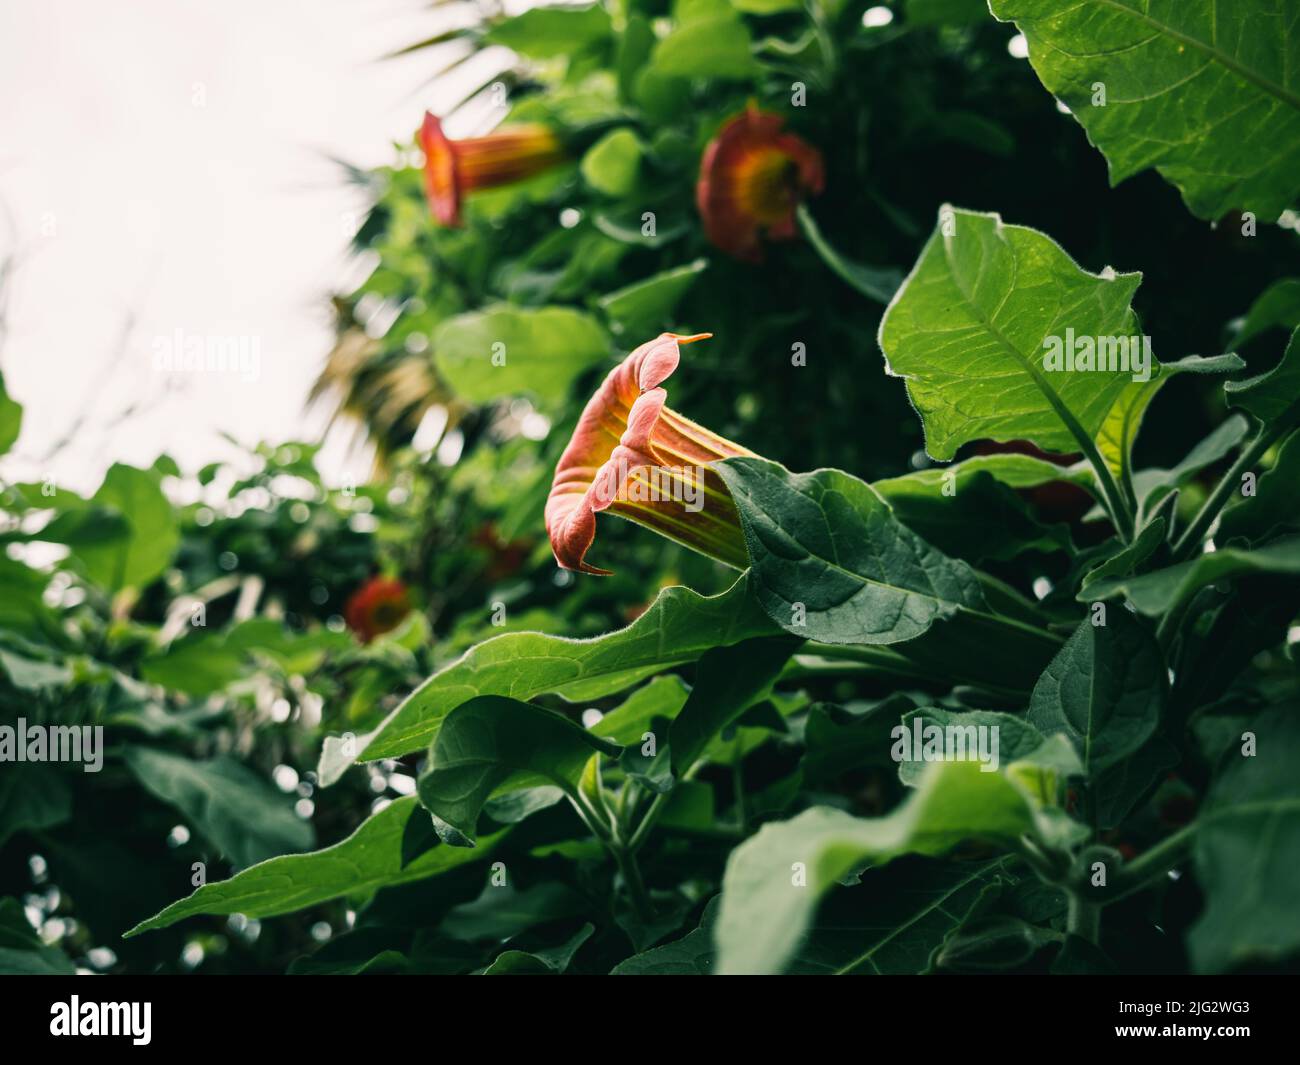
[{"x": 675, "y": 770}]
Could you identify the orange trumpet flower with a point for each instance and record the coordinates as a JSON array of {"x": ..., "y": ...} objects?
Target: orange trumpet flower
[
  {"x": 634, "y": 457},
  {"x": 453, "y": 168}
]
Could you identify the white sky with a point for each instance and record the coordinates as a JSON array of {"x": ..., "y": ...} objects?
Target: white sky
[{"x": 164, "y": 163}]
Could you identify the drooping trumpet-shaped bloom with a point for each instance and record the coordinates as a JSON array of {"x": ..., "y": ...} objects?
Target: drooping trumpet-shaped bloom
[
  {"x": 634, "y": 457},
  {"x": 752, "y": 177},
  {"x": 378, "y": 606},
  {"x": 454, "y": 167}
]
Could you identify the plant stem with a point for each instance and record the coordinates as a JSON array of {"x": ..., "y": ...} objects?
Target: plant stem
[
  {"x": 1192, "y": 535},
  {"x": 627, "y": 865},
  {"x": 1152, "y": 865}
]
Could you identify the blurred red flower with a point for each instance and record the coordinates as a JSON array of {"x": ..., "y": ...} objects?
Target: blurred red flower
[
  {"x": 752, "y": 178},
  {"x": 376, "y": 607}
]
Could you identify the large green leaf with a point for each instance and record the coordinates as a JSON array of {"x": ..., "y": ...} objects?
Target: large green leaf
[
  {"x": 369, "y": 859},
  {"x": 714, "y": 46},
  {"x": 485, "y": 741},
  {"x": 503, "y": 351},
  {"x": 678, "y": 627},
  {"x": 775, "y": 879},
  {"x": 1208, "y": 93},
  {"x": 1247, "y": 850},
  {"x": 227, "y": 802},
  {"x": 968, "y": 327},
  {"x": 141, "y": 556},
  {"x": 832, "y": 563},
  {"x": 32, "y": 798},
  {"x": 1105, "y": 690},
  {"x": 1163, "y": 590}
]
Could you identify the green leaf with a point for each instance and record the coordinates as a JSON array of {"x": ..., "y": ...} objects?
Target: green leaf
[
  {"x": 840, "y": 738},
  {"x": 503, "y": 351},
  {"x": 21, "y": 951},
  {"x": 485, "y": 741},
  {"x": 1127, "y": 560},
  {"x": 1015, "y": 738},
  {"x": 1119, "y": 431},
  {"x": 969, "y": 331},
  {"x": 692, "y": 955},
  {"x": 1206, "y": 93},
  {"x": 33, "y": 675},
  {"x": 1272, "y": 397},
  {"x": 500, "y": 911},
  {"x": 728, "y": 680},
  {"x": 832, "y": 563},
  {"x": 613, "y": 164},
  {"x": 717, "y": 46},
  {"x": 1277, "y": 305},
  {"x": 32, "y": 798},
  {"x": 198, "y": 665},
  {"x": 11, "y": 419},
  {"x": 550, "y": 962},
  {"x": 1105, "y": 690},
  {"x": 546, "y": 32},
  {"x": 646, "y": 307},
  {"x": 1247, "y": 851},
  {"x": 1164, "y": 590},
  {"x": 678, "y": 627},
  {"x": 369, "y": 859},
  {"x": 765, "y": 7},
  {"x": 775, "y": 879},
  {"x": 1275, "y": 504},
  {"x": 154, "y": 536},
  {"x": 234, "y": 808},
  {"x": 1152, "y": 486},
  {"x": 1120, "y": 787}
]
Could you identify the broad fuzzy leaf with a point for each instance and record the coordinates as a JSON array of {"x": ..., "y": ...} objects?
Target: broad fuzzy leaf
[{"x": 968, "y": 328}]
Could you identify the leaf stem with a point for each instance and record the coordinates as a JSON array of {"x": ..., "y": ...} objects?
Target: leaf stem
[{"x": 1192, "y": 535}]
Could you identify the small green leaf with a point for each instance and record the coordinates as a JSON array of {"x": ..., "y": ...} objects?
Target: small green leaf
[
  {"x": 1272, "y": 397},
  {"x": 1275, "y": 504},
  {"x": 546, "y": 32},
  {"x": 11, "y": 419},
  {"x": 485, "y": 741},
  {"x": 1164, "y": 590},
  {"x": 504, "y": 351},
  {"x": 613, "y": 164},
  {"x": 644, "y": 308},
  {"x": 1105, "y": 690},
  {"x": 133, "y": 561},
  {"x": 238, "y": 811},
  {"x": 717, "y": 46},
  {"x": 1015, "y": 738},
  {"x": 1278, "y": 305}
]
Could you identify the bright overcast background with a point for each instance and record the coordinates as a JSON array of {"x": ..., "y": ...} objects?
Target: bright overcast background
[{"x": 166, "y": 165}]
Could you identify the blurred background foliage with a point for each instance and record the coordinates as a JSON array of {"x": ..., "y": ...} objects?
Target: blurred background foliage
[{"x": 202, "y": 616}]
